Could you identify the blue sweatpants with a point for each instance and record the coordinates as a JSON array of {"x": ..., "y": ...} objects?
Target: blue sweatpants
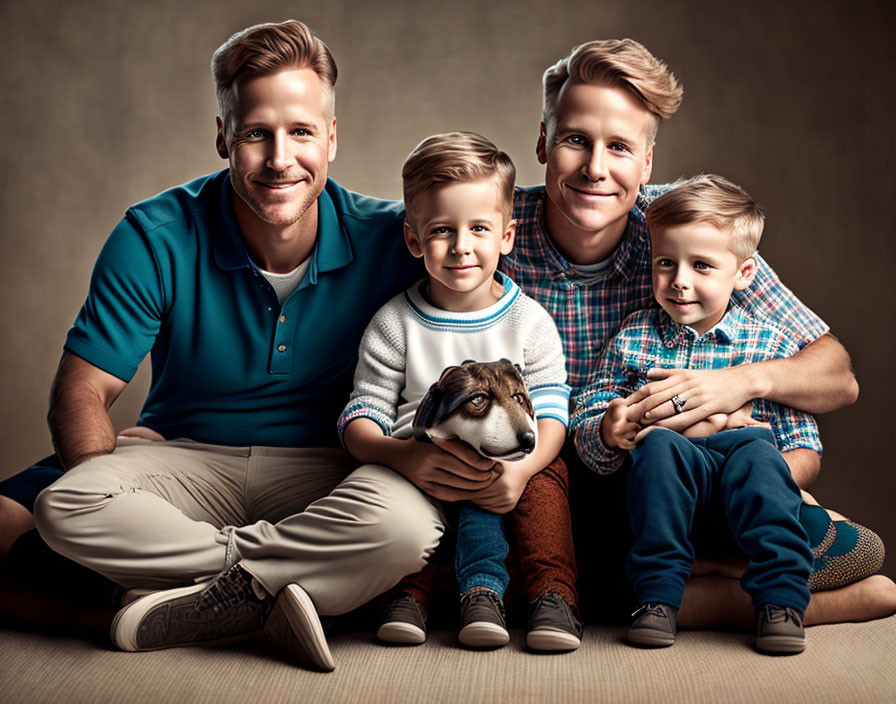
[{"x": 736, "y": 477}]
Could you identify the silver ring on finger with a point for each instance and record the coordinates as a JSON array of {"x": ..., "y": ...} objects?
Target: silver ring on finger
[{"x": 678, "y": 403}]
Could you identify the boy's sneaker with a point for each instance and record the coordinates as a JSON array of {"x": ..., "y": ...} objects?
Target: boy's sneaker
[
  {"x": 216, "y": 611},
  {"x": 779, "y": 630},
  {"x": 554, "y": 624},
  {"x": 654, "y": 625},
  {"x": 482, "y": 620},
  {"x": 403, "y": 621}
]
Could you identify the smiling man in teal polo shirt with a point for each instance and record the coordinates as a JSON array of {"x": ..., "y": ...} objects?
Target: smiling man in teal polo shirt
[{"x": 250, "y": 289}]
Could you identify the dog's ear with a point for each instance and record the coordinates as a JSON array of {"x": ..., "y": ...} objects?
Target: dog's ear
[{"x": 427, "y": 412}]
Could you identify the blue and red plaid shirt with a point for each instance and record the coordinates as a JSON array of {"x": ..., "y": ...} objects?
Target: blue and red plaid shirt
[
  {"x": 589, "y": 308},
  {"x": 650, "y": 338}
]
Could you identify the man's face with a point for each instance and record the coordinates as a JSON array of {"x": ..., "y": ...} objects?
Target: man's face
[
  {"x": 694, "y": 273},
  {"x": 598, "y": 149},
  {"x": 279, "y": 142}
]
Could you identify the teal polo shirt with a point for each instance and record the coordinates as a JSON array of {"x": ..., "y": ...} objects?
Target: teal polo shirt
[{"x": 230, "y": 365}]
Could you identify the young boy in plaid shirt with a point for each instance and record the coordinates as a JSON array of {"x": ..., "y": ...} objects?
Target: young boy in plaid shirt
[{"x": 681, "y": 487}]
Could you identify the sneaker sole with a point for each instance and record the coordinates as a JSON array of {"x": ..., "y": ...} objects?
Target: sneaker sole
[
  {"x": 551, "y": 640},
  {"x": 650, "y": 638},
  {"x": 294, "y": 626},
  {"x": 482, "y": 634},
  {"x": 781, "y": 645},
  {"x": 125, "y": 629},
  {"x": 401, "y": 633}
]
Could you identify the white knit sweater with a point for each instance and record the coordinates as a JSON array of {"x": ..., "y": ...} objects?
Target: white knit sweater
[{"x": 410, "y": 342}]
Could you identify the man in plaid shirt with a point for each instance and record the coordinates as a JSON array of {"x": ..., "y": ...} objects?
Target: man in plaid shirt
[{"x": 583, "y": 253}]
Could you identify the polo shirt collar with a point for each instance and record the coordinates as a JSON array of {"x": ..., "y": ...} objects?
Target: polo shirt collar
[{"x": 332, "y": 248}]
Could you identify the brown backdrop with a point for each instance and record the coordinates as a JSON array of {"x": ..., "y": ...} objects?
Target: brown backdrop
[{"x": 104, "y": 103}]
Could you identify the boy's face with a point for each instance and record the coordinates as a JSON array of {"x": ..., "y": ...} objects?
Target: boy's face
[
  {"x": 694, "y": 273},
  {"x": 461, "y": 230},
  {"x": 597, "y": 151}
]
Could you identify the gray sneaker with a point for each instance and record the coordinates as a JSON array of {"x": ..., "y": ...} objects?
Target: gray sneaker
[
  {"x": 779, "y": 630},
  {"x": 554, "y": 624},
  {"x": 482, "y": 620},
  {"x": 403, "y": 621},
  {"x": 221, "y": 610},
  {"x": 654, "y": 625},
  {"x": 200, "y": 613}
]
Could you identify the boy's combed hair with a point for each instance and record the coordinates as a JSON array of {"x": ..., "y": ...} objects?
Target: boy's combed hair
[
  {"x": 615, "y": 62},
  {"x": 456, "y": 157},
  {"x": 268, "y": 48},
  {"x": 715, "y": 200}
]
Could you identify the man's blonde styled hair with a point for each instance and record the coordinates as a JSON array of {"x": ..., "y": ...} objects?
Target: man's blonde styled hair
[
  {"x": 715, "y": 200},
  {"x": 456, "y": 157},
  {"x": 269, "y": 48},
  {"x": 615, "y": 62}
]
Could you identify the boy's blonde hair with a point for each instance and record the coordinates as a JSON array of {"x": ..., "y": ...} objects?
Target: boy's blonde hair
[
  {"x": 715, "y": 200},
  {"x": 456, "y": 157},
  {"x": 615, "y": 62},
  {"x": 269, "y": 48}
]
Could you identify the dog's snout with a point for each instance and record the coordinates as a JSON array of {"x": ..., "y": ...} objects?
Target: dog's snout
[{"x": 526, "y": 440}]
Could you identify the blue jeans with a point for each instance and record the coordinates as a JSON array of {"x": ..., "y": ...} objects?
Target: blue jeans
[
  {"x": 737, "y": 480},
  {"x": 481, "y": 550}
]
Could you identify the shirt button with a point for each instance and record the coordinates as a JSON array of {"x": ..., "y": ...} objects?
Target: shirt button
[
  {"x": 281, "y": 348},
  {"x": 670, "y": 344},
  {"x": 282, "y": 318}
]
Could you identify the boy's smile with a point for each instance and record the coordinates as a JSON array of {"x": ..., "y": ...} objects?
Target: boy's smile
[
  {"x": 694, "y": 273},
  {"x": 461, "y": 230}
]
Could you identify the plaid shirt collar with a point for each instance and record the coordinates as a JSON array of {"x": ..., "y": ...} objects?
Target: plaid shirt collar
[
  {"x": 726, "y": 331},
  {"x": 625, "y": 257}
]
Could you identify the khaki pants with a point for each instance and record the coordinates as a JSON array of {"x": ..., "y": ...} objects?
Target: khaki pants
[{"x": 164, "y": 514}]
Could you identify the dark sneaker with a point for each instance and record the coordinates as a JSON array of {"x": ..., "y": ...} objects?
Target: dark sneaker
[
  {"x": 200, "y": 613},
  {"x": 403, "y": 621},
  {"x": 482, "y": 620},
  {"x": 654, "y": 625},
  {"x": 779, "y": 630},
  {"x": 554, "y": 624},
  {"x": 295, "y": 627}
]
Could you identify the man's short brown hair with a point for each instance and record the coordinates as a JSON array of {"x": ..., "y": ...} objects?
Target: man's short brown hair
[
  {"x": 269, "y": 48},
  {"x": 715, "y": 200},
  {"x": 456, "y": 157},
  {"x": 615, "y": 62}
]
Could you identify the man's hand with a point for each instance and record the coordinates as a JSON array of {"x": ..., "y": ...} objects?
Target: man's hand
[
  {"x": 448, "y": 470},
  {"x": 704, "y": 393},
  {"x": 619, "y": 426}
]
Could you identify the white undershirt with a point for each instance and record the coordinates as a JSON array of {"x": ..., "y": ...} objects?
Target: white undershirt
[{"x": 285, "y": 284}]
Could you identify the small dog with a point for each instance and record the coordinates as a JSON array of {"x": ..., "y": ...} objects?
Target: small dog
[{"x": 485, "y": 404}]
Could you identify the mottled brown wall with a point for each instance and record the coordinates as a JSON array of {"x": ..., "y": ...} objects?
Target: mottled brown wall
[{"x": 105, "y": 103}]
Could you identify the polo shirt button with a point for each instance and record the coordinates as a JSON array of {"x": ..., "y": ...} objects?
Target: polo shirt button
[
  {"x": 282, "y": 318},
  {"x": 281, "y": 348}
]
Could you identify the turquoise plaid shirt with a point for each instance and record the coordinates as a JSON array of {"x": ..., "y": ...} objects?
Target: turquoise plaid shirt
[
  {"x": 589, "y": 308},
  {"x": 650, "y": 338}
]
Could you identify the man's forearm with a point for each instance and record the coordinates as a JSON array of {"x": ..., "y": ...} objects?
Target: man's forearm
[
  {"x": 817, "y": 379},
  {"x": 78, "y": 416}
]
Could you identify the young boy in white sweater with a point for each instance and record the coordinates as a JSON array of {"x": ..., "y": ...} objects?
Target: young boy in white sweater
[{"x": 458, "y": 191}]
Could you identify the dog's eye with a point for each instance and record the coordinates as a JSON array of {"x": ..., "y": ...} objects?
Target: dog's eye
[
  {"x": 478, "y": 401},
  {"x": 520, "y": 399}
]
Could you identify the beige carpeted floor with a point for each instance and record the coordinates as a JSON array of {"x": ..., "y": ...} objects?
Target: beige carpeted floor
[{"x": 843, "y": 663}]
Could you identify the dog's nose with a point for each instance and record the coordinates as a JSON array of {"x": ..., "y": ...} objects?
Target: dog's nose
[{"x": 526, "y": 440}]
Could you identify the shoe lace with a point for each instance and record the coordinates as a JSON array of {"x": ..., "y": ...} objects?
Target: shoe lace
[
  {"x": 650, "y": 608},
  {"x": 780, "y": 614},
  {"x": 227, "y": 590}
]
